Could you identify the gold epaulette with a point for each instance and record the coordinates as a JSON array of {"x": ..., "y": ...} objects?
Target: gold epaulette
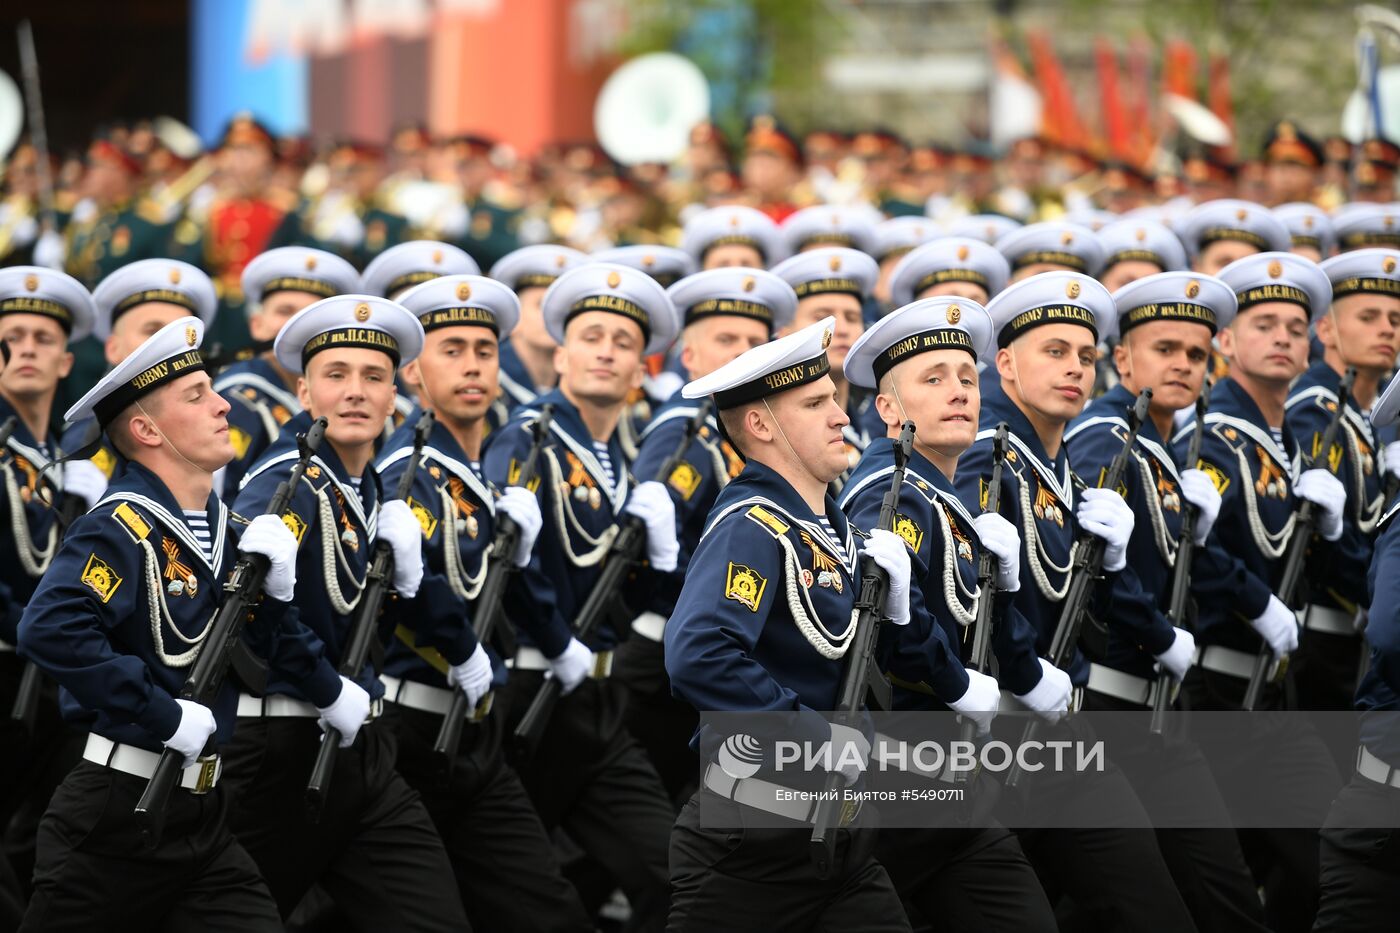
[
  {"x": 136, "y": 526},
  {"x": 768, "y": 520}
]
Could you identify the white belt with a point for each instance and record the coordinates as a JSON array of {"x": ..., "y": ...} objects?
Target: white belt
[
  {"x": 533, "y": 659},
  {"x": 650, "y": 625},
  {"x": 763, "y": 795},
  {"x": 1121, "y": 686},
  {"x": 1327, "y": 619},
  {"x": 1373, "y": 769},
  {"x": 1228, "y": 661},
  {"x": 427, "y": 699},
  {"x": 944, "y": 773},
  {"x": 276, "y": 705},
  {"x": 198, "y": 778}
]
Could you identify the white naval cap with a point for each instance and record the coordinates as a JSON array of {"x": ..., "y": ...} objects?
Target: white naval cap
[
  {"x": 829, "y": 269},
  {"x": 1361, "y": 225},
  {"x": 941, "y": 323},
  {"x": 733, "y": 223},
  {"x": 146, "y": 280},
  {"x": 362, "y": 321},
  {"x": 1232, "y": 219},
  {"x": 1175, "y": 296},
  {"x": 1052, "y": 298},
  {"x": 169, "y": 354},
  {"x": 1092, "y": 218},
  {"x": 1373, "y": 271},
  {"x": 735, "y": 290},
  {"x": 898, "y": 235},
  {"x": 459, "y": 300},
  {"x": 298, "y": 269},
  {"x": 1144, "y": 241},
  {"x": 985, "y": 227},
  {"x": 535, "y": 266},
  {"x": 666, "y": 264},
  {"x": 1054, "y": 241},
  {"x": 783, "y": 364},
  {"x": 413, "y": 263},
  {"x": 847, "y": 225},
  {"x": 1308, "y": 225},
  {"x": 1279, "y": 276},
  {"x": 49, "y": 293},
  {"x": 606, "y": 286},
  {"x": 949, "y": 259}
]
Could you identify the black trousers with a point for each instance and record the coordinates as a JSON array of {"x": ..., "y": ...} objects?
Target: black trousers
[
  {"x": 590, "y": 778},
  {"x": 1361, "y": 866},
  {"x": 505, "y": 864},
  {"x": 375, "y": 850},
  {"x": 93, "y": 873},
  {"x": 1169, "y": 773},
  {"x": 745, "y": 878},
  {"x": 659, "y": 722},
  {"x": 1324, "y": 672},
  {"x": 1284, "y": 861}
]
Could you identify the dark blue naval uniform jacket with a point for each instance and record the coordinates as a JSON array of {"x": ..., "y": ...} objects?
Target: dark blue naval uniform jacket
[
  {"x": 259, "y": 404},
  {"x": 734, "y": 643},
  {"x": 1379, "y": 690},
  {"x": 925, "y": 658},
  {"x": 1047, "y": 527},
  {"x": 106, "y": 457},
  {"x": 25, "y": 462},
  {"x": 457, "y": 510},
  {"x": 1339, "y": 580},
  {"x": 90, "y": 625}
]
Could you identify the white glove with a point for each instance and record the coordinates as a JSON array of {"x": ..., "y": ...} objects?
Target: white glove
[
  {"x": 652, "y": 504},
  {"x": 1391, "y": 457},
  {"x": 572, "y": 665},
  {"x": 86, "y": 479},
  {"x": 843, "y": 739},
  {"x": 1104, "y": 514},
  {"x": 1326, "y": 492},
  {"x": 1278, "y": 626},
  {"x": 1197, "y": 489},
  {"x": 50, "y": 250},
  {"x": 891, "y": 554},
  {"x": 473, "y": 675},
  {"x": 524, "y": 509},
  {"x": 1177, "y": 659},
  {"x": 196, "y": 725},
  {"x": 269, "y": 536},
  {"x": 401, "y": 530},
  {"x": 1001, "y": 538},
  {"x": 980, "y": 701},
  {"x": 347, "y": 714},
  {"x": 1049, "y": 698}
]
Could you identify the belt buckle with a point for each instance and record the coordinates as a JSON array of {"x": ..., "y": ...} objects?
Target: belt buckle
[
  {"x": 849, "y": 810},
  {"x": 483, "y": 707},
  {"x": 1076, "y": 699},
  {"x": 208, "y": 774},
  {"x": 376, "y": 709},
  {"x": 602, "y": 665}
]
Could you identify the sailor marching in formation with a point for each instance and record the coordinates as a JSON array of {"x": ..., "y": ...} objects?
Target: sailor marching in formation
[{"x": 498, "y": 541}]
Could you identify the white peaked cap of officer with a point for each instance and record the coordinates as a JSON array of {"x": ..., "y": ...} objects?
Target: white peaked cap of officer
[
  {"x": 535, "y": 266},
  {"x": 1056, "y": 297},
  {"x": 1092, "y": 218},
  {"x": 1232, "y": 219},
  {"x": 1175, "y": 296},
  {"x": 1142, "y": 240},
  {"x": 829, "y": 269},
  {"x": 170, "y": 353},
  {"x": 665, "y": 264},
  {"x": 783, "y": 364},
  {"x": 852, "y": 226},
  {"x": 622, "y": 290},
  {"x": 1308, "y": 225},
  {"x": 298, "y": 269},
  {"x": 944, "y": 322},
  {"x": 49, "y": 293},
  {"x": 1361, "y": 225},
  {"x": 1053, "y": 241},
  {"x": 463, "y": 300},
  {"x": 949, "y": 259},
  {"x": 414, "y": 263},
  {"x": 355, "y": 321},
  {"x": 736, "y": 291},
  {"x": 165, "y": 280},
  {"x": 732, "y": 223},
  {"x": 899, "y": 235},
  {"x": 1278, "y": 276},
  {"x": 985, "y": 227}
]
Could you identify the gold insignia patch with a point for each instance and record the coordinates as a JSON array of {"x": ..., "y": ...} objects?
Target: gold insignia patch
[
  {"x": 744, "y": 585},
  {"x": 1334, "y": 456},
  {"x": 104, "y": 461},
  {"x": 280, "y": 414},
  {"x": 464, "y": 291},
  {"x": 129, "y": 517},
  {"x": 362, "y": 312},
  {"x": 240, "y": 440},
  {"x": 1122, "y": 487},
  {"x": 1219, "y": 477},
  {"x": 295, "y": 524},
  {"x": 954, "y": 314},
  {"x": 1072, "y": 290},
  {"x": 614, "y": 280},
  {"x": 764, "y": 517},
  {"x": 684, "y": 479},
  {"x": 313, "y": 472},
  {"x": 983, "y": 487},
  {"x": 513, "y": 476},
  {"x": 424, "y": 516},
  {"x": 909, "y": 530},
  {"x": 99, "y": 576}
]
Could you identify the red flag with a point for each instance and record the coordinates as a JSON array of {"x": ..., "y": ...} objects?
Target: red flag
[
  {"x": 1179, "y": 69},
  {"x": 1140, "y": 98},
  {"x": 1060, "y": 121},
  {"x": 1115, "y": 118},
  {"x": 1219, "y": 100}
]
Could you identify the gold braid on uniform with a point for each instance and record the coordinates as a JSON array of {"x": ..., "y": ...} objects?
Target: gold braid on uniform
[
  {"x": 332, "y": 554},
  {"x": 35, "y": 561},
  {"x": 462, "y": 583},
  {"x": 1270, "y": 545},
  {"x": 952, "y": 579},
  {"x": 828, "y": 645},
  {"x": 599, "y": 544},
  {"x": 1034, "y": 555}
]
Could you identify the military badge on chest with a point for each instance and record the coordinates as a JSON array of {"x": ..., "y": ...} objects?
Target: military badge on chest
[
  {"x": 180, "y": 578},
  {"x": 826, "y": 570},
  {"x": 964, "y": 545},
  {"x": 348, "y": 535},
  {"x": 1167, "y": 493},
  {"x": 465, "y": 508},
  {"x": 1271, "y": 481},
  {"x": 580, "y": 485},
  {"x": 1047, "y": 507}
]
